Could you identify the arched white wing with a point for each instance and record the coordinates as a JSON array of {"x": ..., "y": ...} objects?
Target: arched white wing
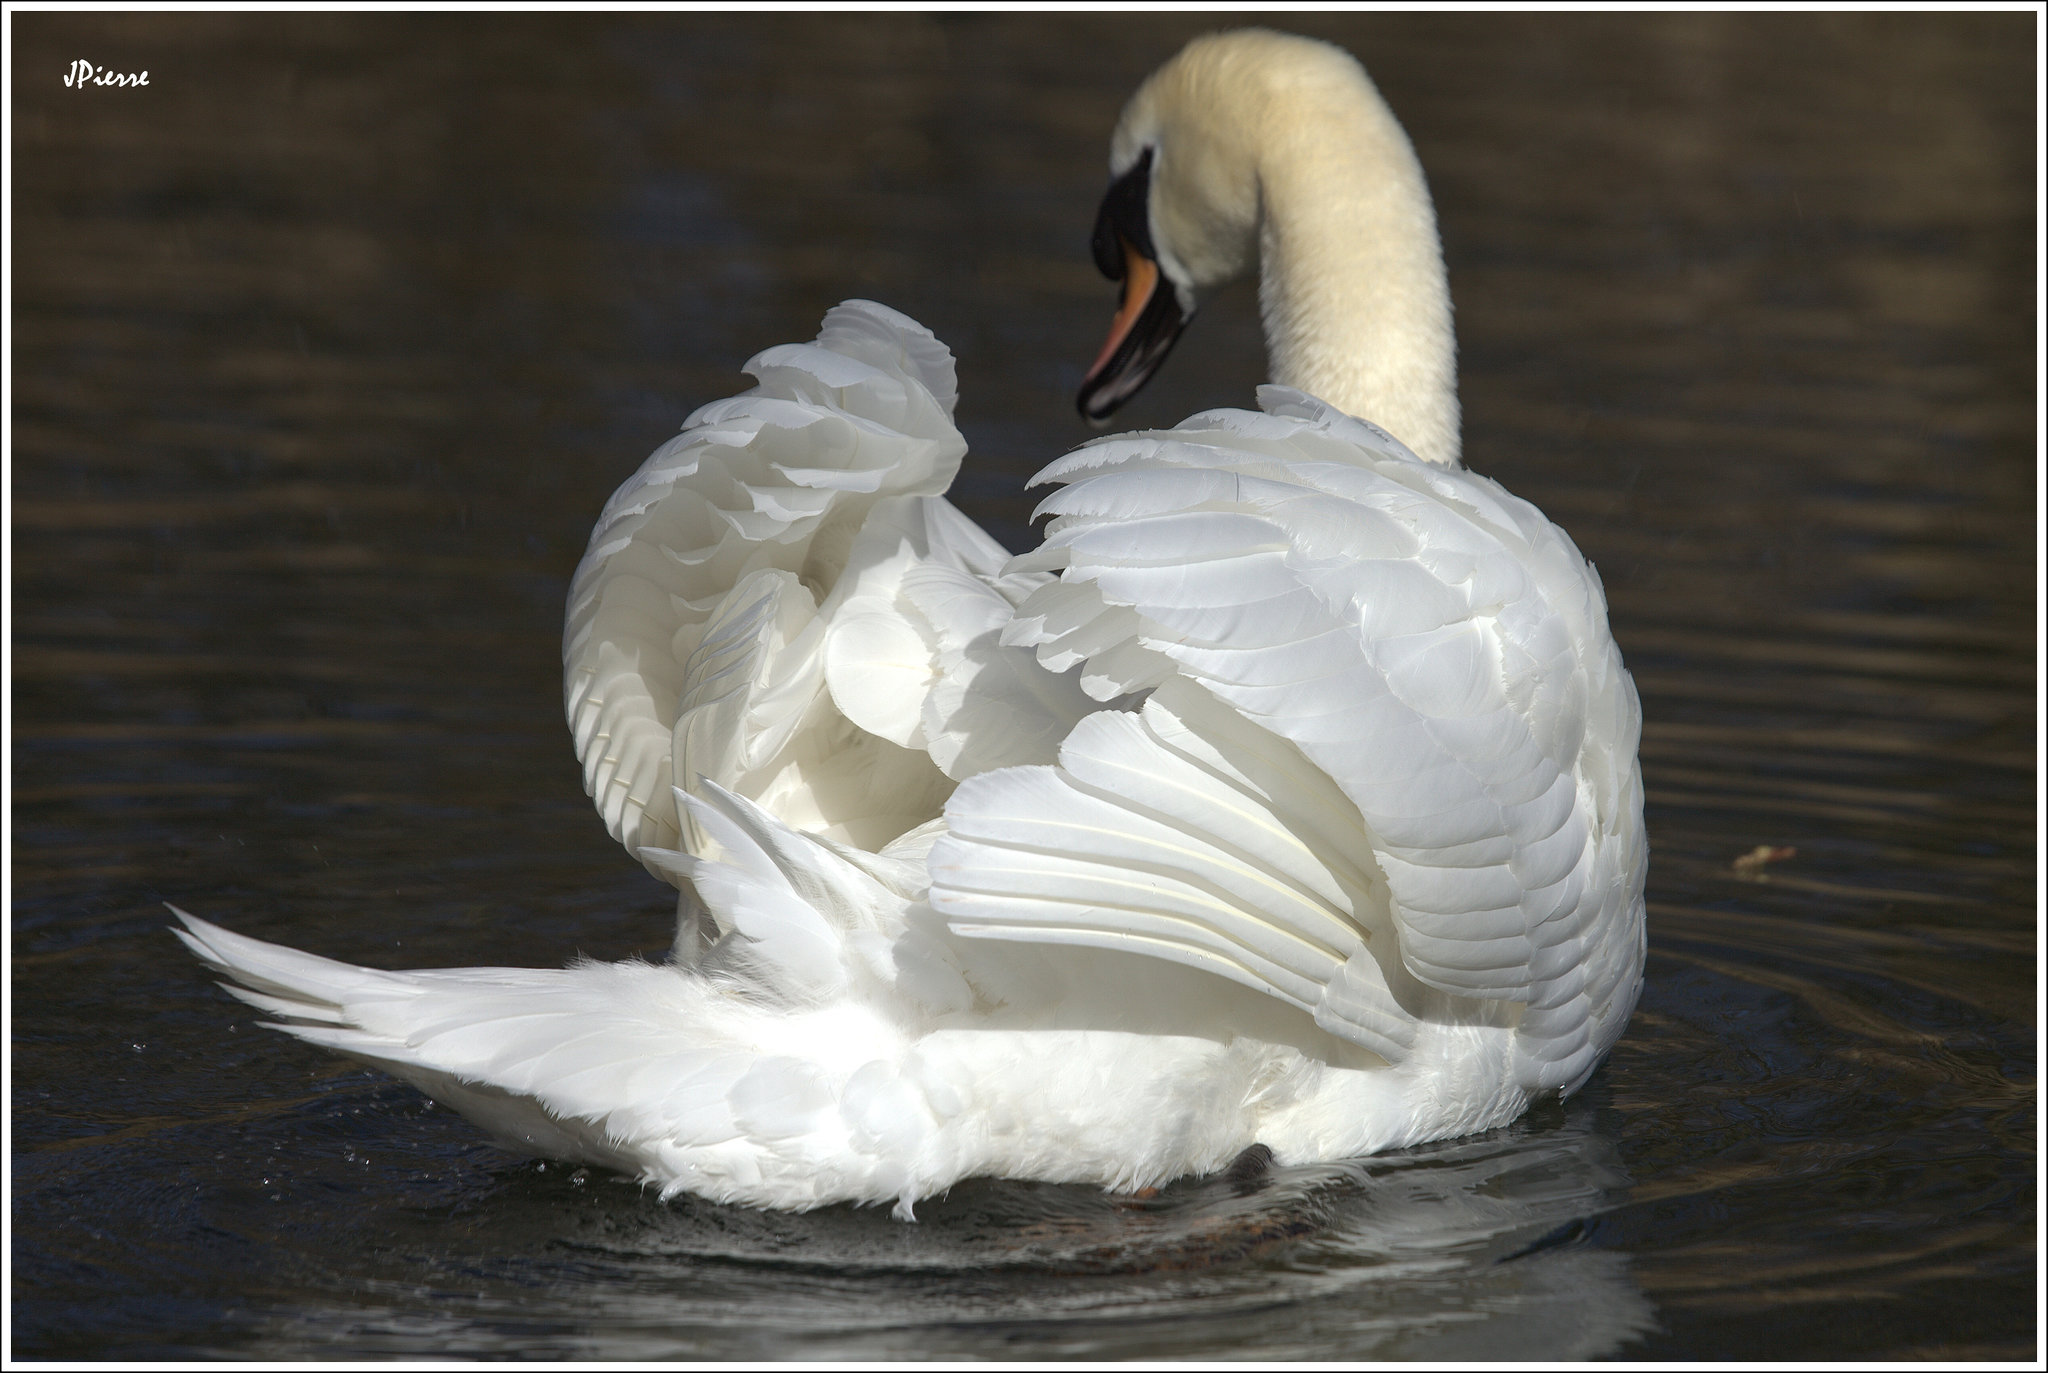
[
  {"x": 777, "y": 480},
  {"x": 1429, "y": 645}
]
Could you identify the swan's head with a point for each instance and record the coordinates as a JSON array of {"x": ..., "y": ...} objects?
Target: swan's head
[{"x": 1182, "y": 215}]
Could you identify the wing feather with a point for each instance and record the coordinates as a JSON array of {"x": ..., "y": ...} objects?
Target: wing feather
[
  {"x": 1182, "y": 834},
  {"x": 1427, "y": 645},
  {"x": 777, "y": 479}
]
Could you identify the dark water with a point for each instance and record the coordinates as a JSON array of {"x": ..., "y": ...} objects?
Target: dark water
[{"x": 329, "y": 343}]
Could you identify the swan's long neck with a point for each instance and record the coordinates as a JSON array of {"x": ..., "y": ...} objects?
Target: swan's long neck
[{"x": 1351, "y": 274}]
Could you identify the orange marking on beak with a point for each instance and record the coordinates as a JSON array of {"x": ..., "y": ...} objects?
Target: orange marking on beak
[{"x": 1141, "y": 279}]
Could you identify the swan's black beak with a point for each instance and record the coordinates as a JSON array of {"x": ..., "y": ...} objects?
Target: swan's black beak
[{"x": 1150, "y": 316}]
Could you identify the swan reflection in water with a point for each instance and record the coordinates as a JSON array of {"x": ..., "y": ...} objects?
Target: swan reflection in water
[{"x": 1466, "y": 1249}]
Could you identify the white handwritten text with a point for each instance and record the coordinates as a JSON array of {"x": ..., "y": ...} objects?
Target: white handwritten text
[{"x": 82, "y": 75}]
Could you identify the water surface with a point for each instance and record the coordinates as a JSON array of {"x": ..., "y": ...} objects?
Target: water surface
[{"x": 330, "y": 342}]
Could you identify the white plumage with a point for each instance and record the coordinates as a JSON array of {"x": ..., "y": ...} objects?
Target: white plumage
[{"x": 1286, "y": 794}]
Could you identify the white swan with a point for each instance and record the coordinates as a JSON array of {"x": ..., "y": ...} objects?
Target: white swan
[{"x": 1287, "y": 795}]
